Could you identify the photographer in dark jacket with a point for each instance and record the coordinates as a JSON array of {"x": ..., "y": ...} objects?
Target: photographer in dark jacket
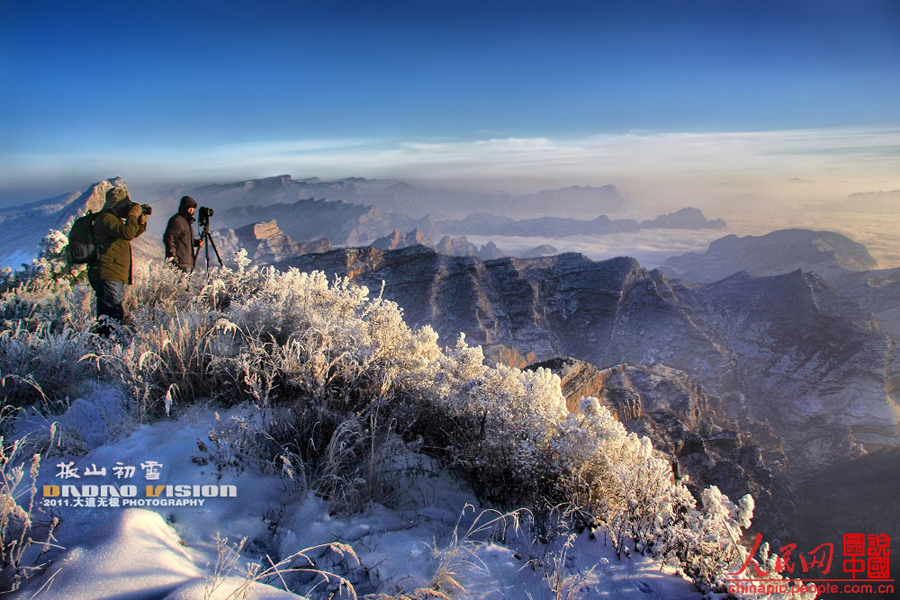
[
  {"x": 116, "y": 225},
  {"x": 179, "y": 236}
]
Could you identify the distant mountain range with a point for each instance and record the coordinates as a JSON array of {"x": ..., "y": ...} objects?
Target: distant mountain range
[
  {"x": 844, "y": 264},
  {"x": 824, "y": 252},
  {"x": 311, "y": 209},
  {"x": 489, "y": 224},
  {"x": 393, "y": 196},
  {"x": 356, "y": 211},
  {"x": 880, "y": 203}
]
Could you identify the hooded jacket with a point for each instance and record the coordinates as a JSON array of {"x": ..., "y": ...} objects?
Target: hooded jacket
[
  {"x": 114, "y": 236},
  {"x": 179, "y": 235}
]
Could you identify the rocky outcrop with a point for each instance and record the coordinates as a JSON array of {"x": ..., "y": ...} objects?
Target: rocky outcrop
[
  {"x": 447, "y": 246},
  {"x": 264, "y": 242},
  {"x": 25, "y": 226},
  {"x": 579, "y": 379},
  {"x": 490, "y": 251},
  {"x": 311, "y": 218},
  {"x": 398, "y": 239},
  {"x": 456, "y": 246},
  {"x": 462, "y": 247}
]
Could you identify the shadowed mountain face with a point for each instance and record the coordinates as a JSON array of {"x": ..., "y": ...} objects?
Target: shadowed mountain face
[
  {"x": 875, "y": 291},
  {"x": 823, "y": 252},
  {"x": 786, "y": 350},
  {"x": 857, "y": 495}
]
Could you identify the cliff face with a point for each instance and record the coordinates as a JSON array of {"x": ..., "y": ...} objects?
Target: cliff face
[
  {"x": 784, "y": 350},
  {"x": 264, "y": 242}
]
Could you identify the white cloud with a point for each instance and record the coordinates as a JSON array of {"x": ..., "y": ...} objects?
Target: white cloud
[{"x": 838, "y": 161}]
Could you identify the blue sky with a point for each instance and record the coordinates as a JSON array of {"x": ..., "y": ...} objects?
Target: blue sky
[{"x": 558, "y": 92}]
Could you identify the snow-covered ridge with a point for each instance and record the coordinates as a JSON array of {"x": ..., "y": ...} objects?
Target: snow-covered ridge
[{"x": 333, "y": 419}]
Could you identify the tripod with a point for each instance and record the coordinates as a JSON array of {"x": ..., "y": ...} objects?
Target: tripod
[{"x": 206, "y": 237}]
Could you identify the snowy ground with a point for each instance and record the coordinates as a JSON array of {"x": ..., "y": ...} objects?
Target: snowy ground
[{"x": 171, "y": 552}]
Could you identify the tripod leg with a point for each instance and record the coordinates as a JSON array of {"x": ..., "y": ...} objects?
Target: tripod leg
[
  {"x": 216, "y": 250},
  {"x": 196, "y": 251},
  {"x": 208, "y": 238},
  {"x": 194, "y": 254}
]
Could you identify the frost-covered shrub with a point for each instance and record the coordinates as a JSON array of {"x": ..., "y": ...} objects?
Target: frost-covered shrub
[
  {"x": 41, "y": 366},
  {"x": 710, "y": 537},
  {"x": 175, "y": 358},
  {"x": 498, "y": 422},
  {"x": 25, "y": 533},
  {"x": 43, "y": 320},
  {"x": 51, "y": 260},
  {"x": 50, "y": 264},
  {"x": 49, "y": 304}
]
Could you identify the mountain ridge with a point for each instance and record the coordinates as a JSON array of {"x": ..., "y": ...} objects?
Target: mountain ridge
[
  {"x": 827, "y": 253},
  {"x": 782, "y": 349}
]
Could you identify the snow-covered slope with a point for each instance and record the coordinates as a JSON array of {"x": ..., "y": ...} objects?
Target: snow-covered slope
[{"x": 149, "y": 550}]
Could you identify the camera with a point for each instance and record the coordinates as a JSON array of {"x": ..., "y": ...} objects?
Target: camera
[
  {"x": 146, "y": 209},
  {"x": 204, "y": 214}
]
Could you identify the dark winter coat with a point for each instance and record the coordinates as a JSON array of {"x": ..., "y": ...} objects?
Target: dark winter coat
[
  {"x": 179, "y": 235},
  {"x": 114, "y": 236}
]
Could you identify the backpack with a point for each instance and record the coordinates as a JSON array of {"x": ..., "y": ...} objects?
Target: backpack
[{"x": 82, "y": 247}]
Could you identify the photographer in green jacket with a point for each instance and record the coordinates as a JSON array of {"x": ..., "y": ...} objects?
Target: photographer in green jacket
[{"x": 118, "y": 223}]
